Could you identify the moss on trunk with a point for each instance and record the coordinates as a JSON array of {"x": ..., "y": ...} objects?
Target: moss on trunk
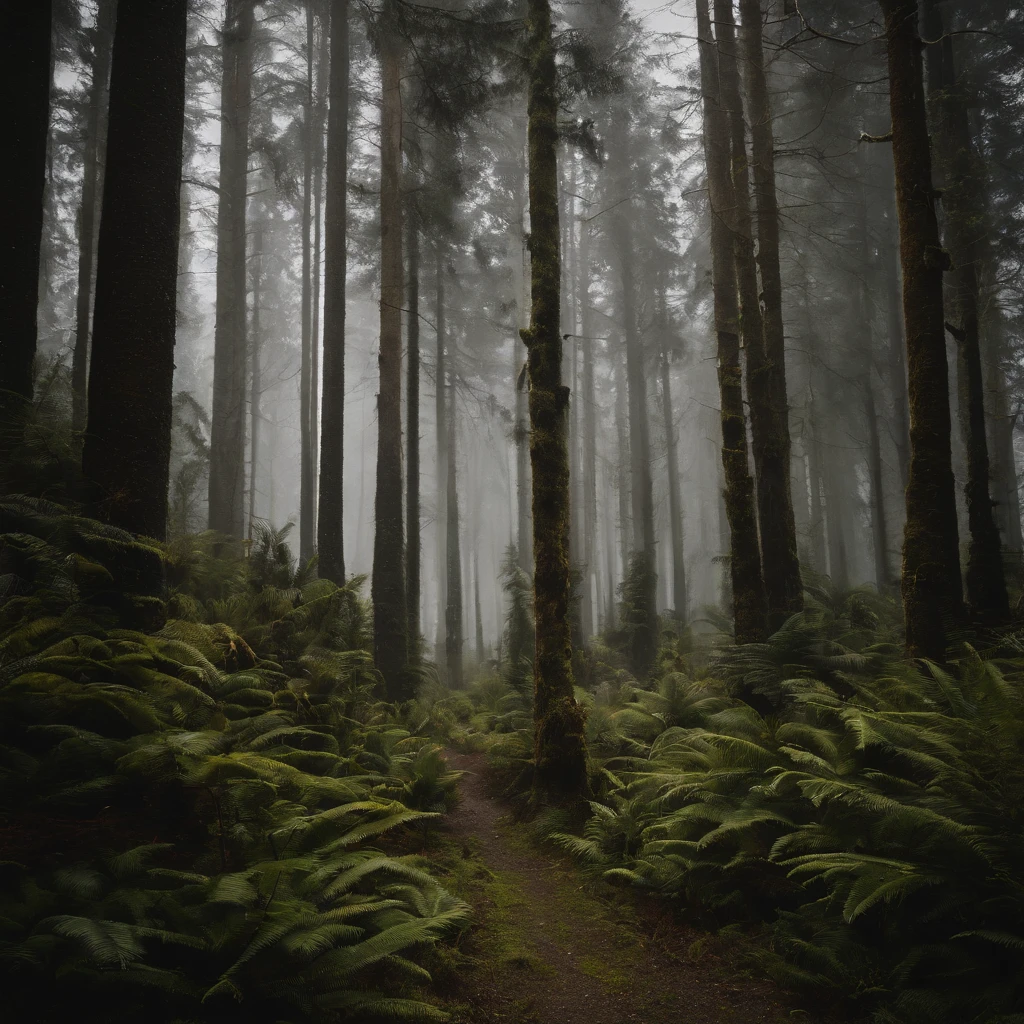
[{"x": 559, "y": 745}]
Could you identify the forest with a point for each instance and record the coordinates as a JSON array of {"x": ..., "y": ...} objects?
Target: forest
[{"x": 510, "y": 511}]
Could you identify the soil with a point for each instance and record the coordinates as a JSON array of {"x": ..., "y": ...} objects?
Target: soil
[{"x": 547, "y": 947}]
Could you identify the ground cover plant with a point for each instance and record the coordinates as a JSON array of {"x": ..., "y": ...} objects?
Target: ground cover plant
[{"x": 189, "y": 803}]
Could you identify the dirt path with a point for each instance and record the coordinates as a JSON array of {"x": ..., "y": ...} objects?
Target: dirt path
[{"x": 548, "y": 949}]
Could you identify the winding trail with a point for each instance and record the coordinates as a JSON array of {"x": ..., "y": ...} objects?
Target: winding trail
[{"x": 548, "y": 949}]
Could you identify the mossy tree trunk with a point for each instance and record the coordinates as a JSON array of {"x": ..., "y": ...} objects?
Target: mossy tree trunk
[
  {"x": 330, "y": 540},
  {"x": 931, "y": 584},
  {"x": 962, "y": 179},
  {"x": 128, "y": 442},
  {"x": 103, "y": 39},
  {"x": 25, "y": 67},
  {"x": 390, "y": 622},
  {"x": 768, "y": 393},
  {"x": 227, "y": 429},
  {"x": 560, "y": 754},
  {"x": 748, "y": 594}
]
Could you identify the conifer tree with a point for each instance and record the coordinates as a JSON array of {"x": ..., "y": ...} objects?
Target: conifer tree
[
  {"x": 25, "y": 63},
  {"x": 128, "y": 441},
  {"x": 560, "y": 754}
]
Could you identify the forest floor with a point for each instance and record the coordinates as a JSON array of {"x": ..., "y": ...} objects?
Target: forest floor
[{"x": 550, "y": 947}]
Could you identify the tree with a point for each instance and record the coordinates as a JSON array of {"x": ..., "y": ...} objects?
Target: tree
[
  {"x": 25, "y": 60},
  {"x": 560, "y": 755},
  {"x": 128, "y": 442},
  {"x": 767, "y": 382},
  {"x": 330, "y": 540},
  {"x": 412, "y": 426},
  {"x": 961, "y": 178},
  {"x": 931, "y": 586},
  {"x": 102, "y": 42},
  {"x": 227, "y": 438},
  {"x": 390, "y": 622},
  {"x": 748, "y": 594},
  {"x": 307, "y": 462}
]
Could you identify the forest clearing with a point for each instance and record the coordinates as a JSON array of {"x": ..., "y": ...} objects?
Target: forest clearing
[{"x": 510, "y": 511}]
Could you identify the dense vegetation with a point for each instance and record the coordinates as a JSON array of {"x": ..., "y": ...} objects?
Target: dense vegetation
[
  {"x": 725, "y": 328},
  {"x": 862, "y": 812},
  {"x": 190, "y": 800}
]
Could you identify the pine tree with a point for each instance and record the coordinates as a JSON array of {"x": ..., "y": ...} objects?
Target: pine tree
[
  {"x": 560, "y": 755},
  {"x": 330, "y": 539},
  {"x": 931, "y": 586},
  {"x": 25, "y": 62},
  {"x": 227, "y": 439}
]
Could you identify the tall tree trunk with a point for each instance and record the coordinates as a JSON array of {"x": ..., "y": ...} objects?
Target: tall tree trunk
[
  {"x": 644, "y": 615},
  {"x": 227, "y": 432},
  {"x": 390, "y": 623},
  {"x": 962, "y": 180},
  {"x": 521, "y": 427},
  {"x": 26, "y": 69},
  {"x": 476, "y": 602},
  {"x": 774, "y": 492},
  {"x": 319, "y": 119},
  {"x": 441, "y": 445},
  {"x": 256, "y": 375},
  {"x": 932, "y": 589},
  {"x": 623, "y": 461},
  {"x": 588, "y": 398},
  {"x": 897, "y": 365},
  {"x": 748, "y": 593},
  {"x": 307, "y": 475},
  {"x": 453, "y": 633},
  {"x": 103, "y": 40},
  {"x": 128, "y": 443},
  {"x": 330, "y": 537},
  {"x": 864, "y": 339},
  {"x": 560, "y": 754},
  {"x": 412, "y": 431},
  {"x": 675, "y": 510},
  {"x": 1003, "y": 423}
]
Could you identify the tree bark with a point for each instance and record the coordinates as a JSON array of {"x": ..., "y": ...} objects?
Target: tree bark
[
  {"x": 781, "y": 563},
  {"x": 560, "y": 755},
  {"x": 330, "y": 537},
  {"x": 453, "y": 634},
  {"x": 441, "y": 439},
  {"x": 319, "y": 119},
  {"x": 307, "y": 475},
  {"x": 390, "y": 623},
  {"x": 748, "y": 594},
  {"x": 26, "y": 69},
  {"x": 128, "y": 442},
  {"x": 587, "y": 398},
  {"x": 412, "y": 431},
  {"x": 103, "y": 39},
  {"x": 675, "y": 510},
  {"x": 227, "y": 432},
  {"x": 931, "y": 586},
  {"x": 962, "y": 181},
  {"x": 256, "y": 376}
]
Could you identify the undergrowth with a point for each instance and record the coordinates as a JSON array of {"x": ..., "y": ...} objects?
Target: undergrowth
[
  {"x": 861, "y": 812},
  {"x": 189, "y": 787}
]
